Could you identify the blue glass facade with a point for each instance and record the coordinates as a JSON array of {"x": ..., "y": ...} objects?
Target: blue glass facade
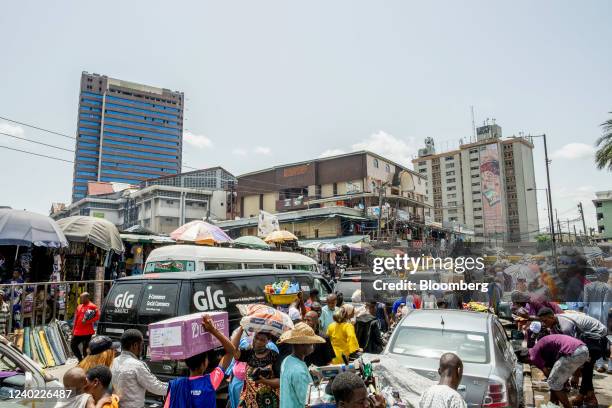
[{"x": 125, "y": 135}]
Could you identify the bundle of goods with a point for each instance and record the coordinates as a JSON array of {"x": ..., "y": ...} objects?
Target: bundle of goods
[
  {"x": 46, "y": 345},
  {"x": 476, "y": 307},
  {"x": 282, "y": 293},
  {"x": 400, "y": 386},
  {"x": 263, "y": 318},
  {"x": 182, "y": 337}
]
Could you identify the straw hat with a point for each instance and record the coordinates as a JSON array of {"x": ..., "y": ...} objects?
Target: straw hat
[{"x": 301, "y": 334}]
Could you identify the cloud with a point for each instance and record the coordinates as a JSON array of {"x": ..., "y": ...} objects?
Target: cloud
[
  {"x": 199, "y": 141},
  {"x": 574, "y": 151},
  {"x": 239, "y": 152},
  {"x": 14, "y": 130},
  {"x": 262, "y": 150},
  {"x": 389, "y": 146},
  {"x": 332, "y": 152}
]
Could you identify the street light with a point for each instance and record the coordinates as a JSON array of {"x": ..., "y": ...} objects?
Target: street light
[{"x": 552, "y": 224}]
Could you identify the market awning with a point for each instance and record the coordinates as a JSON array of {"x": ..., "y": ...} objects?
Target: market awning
[
  {"x": 26, "y": 228},
  {"x": 97, "y": 231},
  {"x": 147, "y": 239},
  {"x": 349, "y": 239}
]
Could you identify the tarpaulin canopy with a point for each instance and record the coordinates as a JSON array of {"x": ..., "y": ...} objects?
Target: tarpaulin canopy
[
  {"x": 26, "y": 228},
  {"x": 200, "y": 232},
  {"x": 251, "y": 241},
  {"x": 96, "y": 231}
]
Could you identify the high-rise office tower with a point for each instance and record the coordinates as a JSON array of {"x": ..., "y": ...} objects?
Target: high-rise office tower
[
  {"x": 487, "y": 184},
  {"x": 126, "y": 132}
]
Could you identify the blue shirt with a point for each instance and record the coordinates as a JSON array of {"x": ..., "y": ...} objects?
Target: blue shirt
[
  {"x": 294, "y": 380},
  {"x": 327, "y": 318}
]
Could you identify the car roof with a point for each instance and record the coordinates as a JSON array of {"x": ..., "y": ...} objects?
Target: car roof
[
  {"x": 455, "y": 320},
  {"x": 215, "y": 274},
  {"x": 217, "y": 254}
]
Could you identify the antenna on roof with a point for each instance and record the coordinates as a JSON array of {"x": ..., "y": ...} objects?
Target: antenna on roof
[{"x": 473, "y": 135}]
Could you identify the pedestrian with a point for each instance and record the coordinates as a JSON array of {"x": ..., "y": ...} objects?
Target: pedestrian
[
  {"x": 98, "y": 385},
  {"x": 429, "y": 300},
  {"x": 349, "y": 391},
  {"x": 526, "y": 305},
  {"x": 102, "y": 351},
  {"x": 444, "y": 394},
  {"x": 589, "y": 330},
  {"x": 367, "y": 330},
  {"x": 406, "y": 300},
  {"x": 558, "y": 356},
  {"x": 83, "y": 327},
  {"x": 597, "y": 304},
  {"x": 75, "y": 381},
  {"x": 261, "y": 384},
  {"x": 313, "y": 297},
  {"x": 295, "y": 377},
  {"x": 5, "y": 311},
  {"x": 316, "y": 307},
  {"x": 199, "y": 390},
  {"x": 342, "y": 335},
  {"x": 323, "y": 352},
  {"x": 327, "y": 313},
  {"x": 132, "y": 378}
]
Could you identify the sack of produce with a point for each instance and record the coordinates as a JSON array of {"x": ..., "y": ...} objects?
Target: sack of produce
[{"x": 263, "y": 318}]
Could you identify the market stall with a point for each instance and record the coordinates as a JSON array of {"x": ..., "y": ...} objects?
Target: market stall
[{"x": 202, "y": 233}]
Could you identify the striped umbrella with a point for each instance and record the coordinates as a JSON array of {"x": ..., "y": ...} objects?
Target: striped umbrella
[{"x": 200, "y": 232}]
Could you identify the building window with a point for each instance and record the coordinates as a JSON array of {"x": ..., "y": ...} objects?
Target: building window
[
  {"x": 376, "y": 163},
  {"x": 450, "y": 173},
  {"x": 422, "y": 170},
  {"x": 335, "y": 189},
  {"x": 448, "y": 158},
  {"x": 475, "y": 175},
  {"x": 387, "y": 168},
  {"x": 450, "y": 165},
  {"x": 450, "y": 180},
  {"x": 475, "y": 184},
  {"x": 476, "y": 200},
  {"x": 451, "y": 196},
  {"x": 451, "y": 188},
  {"x": 261, "y": 202},
  {"x": 422, "y": 163}
]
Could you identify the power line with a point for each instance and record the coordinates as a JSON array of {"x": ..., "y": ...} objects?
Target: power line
[
  {"x": 37, "y": 142},
  {"x": 58, "y": 134},
  {"x": 36, "y": 154},
  {"x": 38, "y": 128}
]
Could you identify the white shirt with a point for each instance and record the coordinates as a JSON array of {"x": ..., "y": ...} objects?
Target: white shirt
[
  {"x": 441, "y": 396},
  {"x": 76, "y": 401},
  {"x": 132, "y": 378}
]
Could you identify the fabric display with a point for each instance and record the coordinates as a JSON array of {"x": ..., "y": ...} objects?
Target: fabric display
[{"x": 47, "y": 345}]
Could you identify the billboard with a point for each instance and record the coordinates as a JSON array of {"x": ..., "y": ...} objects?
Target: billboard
[{"x": 491, "y": 189}]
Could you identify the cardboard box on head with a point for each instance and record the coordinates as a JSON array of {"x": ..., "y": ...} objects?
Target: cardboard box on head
[{"x": 181, "y": 337}]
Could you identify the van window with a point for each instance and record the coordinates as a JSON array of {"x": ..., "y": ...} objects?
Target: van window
[
  {"x": 283, "y": 266},
  {"x": 302, "y": 267},
  {"x": 158, "y": 302},
  {"x": 170, "y": 266},
  {"x": 121, "y": 303},
  {"x": 221, "y": 266},
  {"x": 323, "y": 292},
  {"x": 259, "y": 266}
]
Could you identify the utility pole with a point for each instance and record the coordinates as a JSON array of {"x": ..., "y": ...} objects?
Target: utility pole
[
  {"x": 559, "y": 228},
  {"x": 380, "y": 192},
  {"x": 582, "y": 216},
  {"x": 548, "y": 193},
  {"x": 575, "y": 234},
  {"x": 569, "y": 232}
]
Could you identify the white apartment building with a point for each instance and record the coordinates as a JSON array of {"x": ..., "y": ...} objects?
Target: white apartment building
[{"x": 488, "y": 185}]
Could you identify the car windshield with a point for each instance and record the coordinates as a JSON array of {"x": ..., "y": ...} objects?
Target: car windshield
[{"x": 432, "y": 343}]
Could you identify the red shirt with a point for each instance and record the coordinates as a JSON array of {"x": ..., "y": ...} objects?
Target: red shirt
[{"x": 87, "y": 328}]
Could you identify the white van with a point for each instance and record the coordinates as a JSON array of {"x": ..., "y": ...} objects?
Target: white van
[{"x": 196, "y": 258}]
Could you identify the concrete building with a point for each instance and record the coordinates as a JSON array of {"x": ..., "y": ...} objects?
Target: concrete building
[
  {"x": 126, "y": 132},
  {"x": 603, "y": 209},
  {"x": 487, "y": 184},
  {"x": 354, "y": 180},
  {"x": 160, "y": 205}
]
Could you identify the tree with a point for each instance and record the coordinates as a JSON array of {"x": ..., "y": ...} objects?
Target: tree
[{"x": 603, "y": 156}]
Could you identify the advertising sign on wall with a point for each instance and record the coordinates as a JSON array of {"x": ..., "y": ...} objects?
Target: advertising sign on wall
[{"x": 491, "y": 189}]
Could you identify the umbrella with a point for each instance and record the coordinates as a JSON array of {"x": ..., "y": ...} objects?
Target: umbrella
[
  {"x": 328, "y": 248},
  {"x": 521, "y": 271},
  {"x": 251, "y": 241},
  {"x": 25, "y": 228},
  {"x": 359, "y": 247},
  {"x": 97, "y": 231},
  {"x": 280, "y": 237},
  {"x": 382, "y": 253},
  {"x": 200, "y": 232}
]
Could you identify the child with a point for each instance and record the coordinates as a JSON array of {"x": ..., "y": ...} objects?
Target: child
[{"x": 199, "y": 390}]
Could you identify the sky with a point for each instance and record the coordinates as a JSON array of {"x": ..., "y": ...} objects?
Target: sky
[{"x": 272, "y": 82}]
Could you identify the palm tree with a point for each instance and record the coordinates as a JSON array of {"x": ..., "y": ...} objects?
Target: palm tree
[{"x": 603, "y": 156}]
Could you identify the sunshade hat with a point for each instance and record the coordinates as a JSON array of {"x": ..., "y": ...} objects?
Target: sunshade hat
[{"x": 301, "y": 334}]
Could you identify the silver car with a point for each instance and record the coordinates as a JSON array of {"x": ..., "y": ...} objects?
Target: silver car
[{"x": 492, "y": 376}]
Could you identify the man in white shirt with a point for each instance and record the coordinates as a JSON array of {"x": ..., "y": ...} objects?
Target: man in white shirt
[
  {"x": 444, "y": 394},
  {"x": 131, "y": 376}
]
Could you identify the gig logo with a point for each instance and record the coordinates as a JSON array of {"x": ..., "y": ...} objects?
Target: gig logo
[
  {"x": 123, "y": 302},
  {"x": 208, "y": 300}
]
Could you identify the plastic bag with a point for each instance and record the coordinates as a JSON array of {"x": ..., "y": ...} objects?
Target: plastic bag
[{"x": 263, "y": 318}]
